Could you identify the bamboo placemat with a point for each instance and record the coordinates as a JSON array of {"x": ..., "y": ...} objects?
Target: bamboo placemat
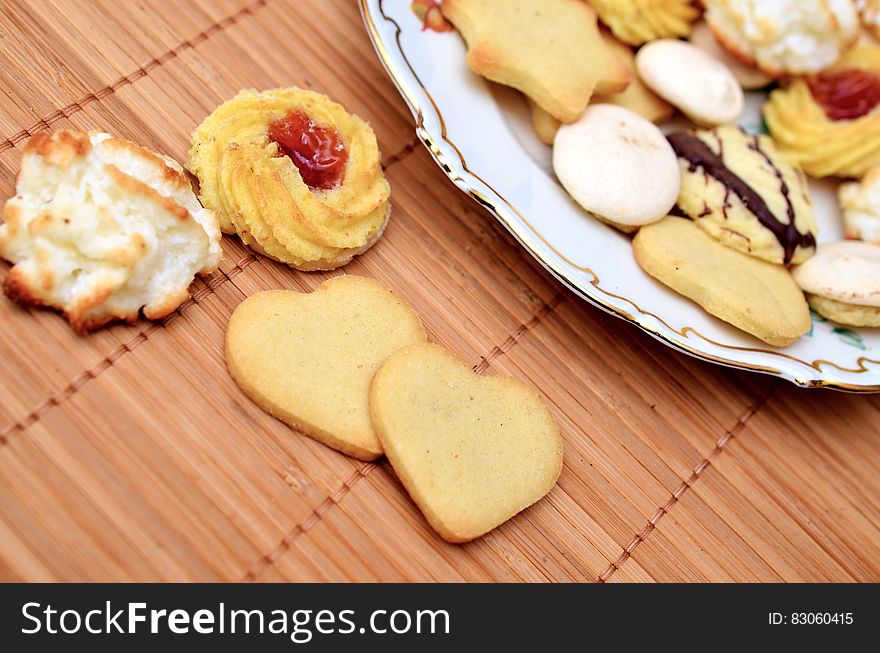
[{"x": 130, "y": 455}]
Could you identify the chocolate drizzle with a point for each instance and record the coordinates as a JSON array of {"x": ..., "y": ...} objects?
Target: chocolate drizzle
[{"x": 690, "y": 148}]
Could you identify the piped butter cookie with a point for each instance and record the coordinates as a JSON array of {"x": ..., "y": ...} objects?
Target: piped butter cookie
[
  {"x": 842, "y": 282},
  {"x": 738, "y": 188},
  {"x": 308, "y": 358},
  {"x": 550, "y": 50},
  {"x": 758, "y": 297},
  {"x": 471, "y": 450},
  {"x": 639, "y": 21},
  {"x": 295, "y": 175},
  {"x": 829, "y": 123}
]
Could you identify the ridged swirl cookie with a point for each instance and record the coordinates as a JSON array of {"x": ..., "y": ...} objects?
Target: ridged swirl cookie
[
  {"x": 639, "y": 21},
  {"x": 261, "y": 195},
  {"x": 738, "y": 188},
  {"x": 830, "y": 123}
]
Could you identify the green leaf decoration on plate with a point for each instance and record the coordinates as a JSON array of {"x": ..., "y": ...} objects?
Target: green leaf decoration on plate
[
  {"x": 758, "y": 128},
  {"x": 850, "y": 337}
]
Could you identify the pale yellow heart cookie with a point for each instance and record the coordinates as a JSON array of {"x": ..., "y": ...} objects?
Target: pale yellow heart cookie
[
  {"x": 308, "y": 358},
  {"x": 472, "y": 451}
]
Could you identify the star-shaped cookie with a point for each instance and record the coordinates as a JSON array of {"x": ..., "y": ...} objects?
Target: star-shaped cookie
[{"x": 551, "y": 50}]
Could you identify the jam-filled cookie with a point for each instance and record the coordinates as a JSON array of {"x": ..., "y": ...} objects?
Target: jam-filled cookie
[
  {"x": 739, "y": 189},
  {"x": 295, "y": 175},
  {"x": 830, "y": 123},
  {"x": 639, "y": 21}
]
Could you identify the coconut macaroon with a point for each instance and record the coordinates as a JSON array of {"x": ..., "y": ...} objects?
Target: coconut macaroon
[
  {"x": 842, "y": 282},
  {"x": 869, "y": 10},
  {"x": 749, "y": 77},
  {"x": 784, "y": 36},
  {"x": 102, "y": 229},
  {"x": 860, "y": 203}
]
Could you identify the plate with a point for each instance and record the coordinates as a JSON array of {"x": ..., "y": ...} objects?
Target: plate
[{"x": 479, "y": 134}]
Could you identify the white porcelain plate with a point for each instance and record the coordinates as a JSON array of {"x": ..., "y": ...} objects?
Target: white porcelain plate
[{"x": 479, "y": 135}]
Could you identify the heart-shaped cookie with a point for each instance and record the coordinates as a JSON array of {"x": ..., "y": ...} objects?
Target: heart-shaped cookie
[
  {"x": 308, "y": 358},
  {"x": 472, "y": 451}
]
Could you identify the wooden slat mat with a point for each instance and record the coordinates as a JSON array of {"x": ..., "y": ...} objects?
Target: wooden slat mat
[{"x": 130, "y": 455}]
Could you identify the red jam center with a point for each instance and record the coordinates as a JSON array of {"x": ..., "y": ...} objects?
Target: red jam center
[
  {"x": 848, "y": 94},
  {"x": 317, "y": 151}
]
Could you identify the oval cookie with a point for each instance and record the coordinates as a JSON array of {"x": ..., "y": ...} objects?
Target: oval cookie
[
  {"x": 758, "y": 297},
  {"x": 308, "y": 358}
]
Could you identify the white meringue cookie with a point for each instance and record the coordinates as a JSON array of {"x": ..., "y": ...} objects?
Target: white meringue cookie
[
  {"x": 618, "y": 165},
  {"x": 700, "y": 85},
  {"x": 847, "y": 271}
]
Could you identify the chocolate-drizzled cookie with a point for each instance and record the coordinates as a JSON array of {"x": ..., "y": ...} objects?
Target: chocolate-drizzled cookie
[{"x": 738, "y": 188}]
